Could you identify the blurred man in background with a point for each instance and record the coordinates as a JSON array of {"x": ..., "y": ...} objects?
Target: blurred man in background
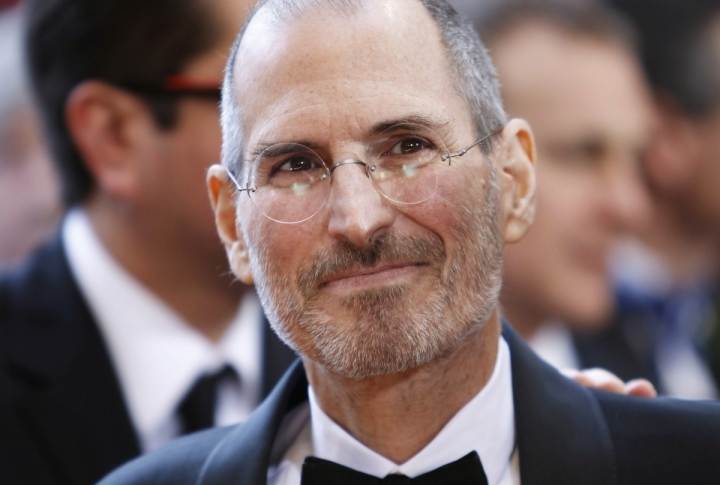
[
  {"x": 667, "y": 282},
  {"x": 569, "y": 68},
  {"x": 29, "y": 189},
  {"x": 127, "y": 329}
]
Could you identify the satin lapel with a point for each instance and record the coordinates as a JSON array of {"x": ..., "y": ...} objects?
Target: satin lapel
[
  {"x": 64, "y": 388},
  {"x": 562, "y": 436},
  {"x": 277, "y": 358},
  {"x": 242, "y": 458}
]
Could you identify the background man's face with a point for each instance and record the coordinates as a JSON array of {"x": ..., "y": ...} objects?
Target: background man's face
[
  {"x": 701, "y": 157},
  {"x": 588, "y": 108},
  {"x": 325, "y": 81},
  {"x": 174, "y": 174}
]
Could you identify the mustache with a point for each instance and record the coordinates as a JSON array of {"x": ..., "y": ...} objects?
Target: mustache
[{"x": 386, "y": 249}]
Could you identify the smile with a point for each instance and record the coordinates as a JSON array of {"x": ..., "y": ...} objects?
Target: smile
[{"x": 382, "y": 275}]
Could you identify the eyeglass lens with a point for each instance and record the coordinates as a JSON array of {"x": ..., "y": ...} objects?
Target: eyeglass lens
[{"x": 291, "y": 183}]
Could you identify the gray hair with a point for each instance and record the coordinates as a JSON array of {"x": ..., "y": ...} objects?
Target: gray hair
[{"x": 473, "y": 72}]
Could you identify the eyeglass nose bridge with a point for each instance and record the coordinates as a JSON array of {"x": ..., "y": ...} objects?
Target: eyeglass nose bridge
[{"x": 353, "y": 161}]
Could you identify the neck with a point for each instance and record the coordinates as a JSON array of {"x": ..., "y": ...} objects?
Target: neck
[
  {"x": 194, "y": 283},
  {"x": 398, "y": 415}
]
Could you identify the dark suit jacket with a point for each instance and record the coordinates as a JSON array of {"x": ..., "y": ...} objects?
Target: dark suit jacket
[
  {"x": 626, "y": 348},
  {"x": 566, "y": 434},
  {"x": 63, "y": 418}
]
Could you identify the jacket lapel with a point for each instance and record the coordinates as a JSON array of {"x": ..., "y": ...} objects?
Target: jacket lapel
[
  {"x": 243, "y": 456},
  {"x": 561, "y": 433},
  {"x": 562, "y": 436},
  {"x": 277, "y": 358},
  {"x": 64, "y": 389}
]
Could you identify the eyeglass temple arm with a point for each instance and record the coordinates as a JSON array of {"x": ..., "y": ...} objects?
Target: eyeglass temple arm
[
  {"x": 450, "y": 156},
  {"x": 247, "y": 189}
]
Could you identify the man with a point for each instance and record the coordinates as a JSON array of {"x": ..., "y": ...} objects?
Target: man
[
  {"x": 376, "y": 179},
  {"x": 568, "y": 68},
  {"x": 127, "y": 330},
  {"x": 29, "y": 190},
  {"x": 672, "y": 301}
]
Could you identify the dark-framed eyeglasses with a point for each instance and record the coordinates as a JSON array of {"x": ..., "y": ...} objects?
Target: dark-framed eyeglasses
[
  {"x": 290, "y": 183},
  {"x": 176, "y": 85}
]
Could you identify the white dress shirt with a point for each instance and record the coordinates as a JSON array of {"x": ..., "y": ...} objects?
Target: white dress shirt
[
  {"x": 156, "y": 354},
  {"x": 486, "y": 424}
]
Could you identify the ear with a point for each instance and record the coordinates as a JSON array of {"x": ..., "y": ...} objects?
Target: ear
[
  {"x": 107, "y": 125},
  {"x": 669, "y": 161},
  {"x": 516, "y": 168},
  {"x": 222, "y": 198}
]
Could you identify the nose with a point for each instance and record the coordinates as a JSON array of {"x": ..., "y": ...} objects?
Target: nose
[
  {"x": 628, "y": 197},
  {"x": 358, "y": 213}
]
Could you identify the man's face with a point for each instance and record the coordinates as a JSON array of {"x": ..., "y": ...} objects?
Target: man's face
[
  {"x": 589, "y": 111},
  {"x": 366, "y": 286},
  {"x": 173, "y": 174}
]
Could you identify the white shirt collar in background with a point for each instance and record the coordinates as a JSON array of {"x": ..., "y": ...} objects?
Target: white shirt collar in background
[
  {"x": 554, "y": 343},
  {"x": 156, "y": 354}
]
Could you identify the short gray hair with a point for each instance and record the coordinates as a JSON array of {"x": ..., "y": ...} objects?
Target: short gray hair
[{"x": 473, "y": 71}]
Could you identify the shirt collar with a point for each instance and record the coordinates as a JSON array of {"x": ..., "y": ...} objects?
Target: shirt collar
[
  {"x": 486, "y": 424},
  {"x": 156, "y": 354}
]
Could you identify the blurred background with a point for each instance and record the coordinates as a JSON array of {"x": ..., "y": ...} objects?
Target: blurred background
[
  {"x": 29, "y": 188},
  {"x": 620, "y": 269}
]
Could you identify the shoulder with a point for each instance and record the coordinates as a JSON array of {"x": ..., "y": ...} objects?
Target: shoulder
[
  {"x": 44, "y": 276},
  {"x": 179, "y": 462},
  {"x": 673, "y": 440}
]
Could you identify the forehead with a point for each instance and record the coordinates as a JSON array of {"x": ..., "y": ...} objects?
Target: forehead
[
  {"x": 329, "y": 74},
  {"x": 568, "y": 84}
]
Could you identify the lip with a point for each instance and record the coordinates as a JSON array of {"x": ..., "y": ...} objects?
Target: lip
[{"x": 366, "y": 277}]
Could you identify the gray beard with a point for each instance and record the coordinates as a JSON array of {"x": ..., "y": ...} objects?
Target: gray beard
[{"x": 384, "y": 332}]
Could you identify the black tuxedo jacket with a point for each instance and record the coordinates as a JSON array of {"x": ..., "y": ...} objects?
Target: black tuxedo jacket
[
  {"x": 63, "y": 418},
  {"x": 626, "y": 348},
  {"x": 566, "y": 434}
]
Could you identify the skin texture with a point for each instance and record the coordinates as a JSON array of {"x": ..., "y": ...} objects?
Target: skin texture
[
  {"x": 385, "y": 63},
  {"x": 588, "y": 105},
  {"x": 150, "y": 208}
]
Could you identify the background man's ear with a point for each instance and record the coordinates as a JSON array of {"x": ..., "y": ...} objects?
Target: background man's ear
[
  {"x": 516, "y": 166},
  {"x": 109, "y": 126},
  {"x": 222, "y": 198}
]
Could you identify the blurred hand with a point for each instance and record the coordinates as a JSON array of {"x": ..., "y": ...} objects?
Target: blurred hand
[{"x": 606, "y": 381}]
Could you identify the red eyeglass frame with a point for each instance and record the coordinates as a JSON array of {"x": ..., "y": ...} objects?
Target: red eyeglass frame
[{"x": 178, "y": 85}]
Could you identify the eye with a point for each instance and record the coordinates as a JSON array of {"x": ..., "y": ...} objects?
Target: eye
[
  {"x": 409, "y": 145},
  {"x": 297, "y": 163}
]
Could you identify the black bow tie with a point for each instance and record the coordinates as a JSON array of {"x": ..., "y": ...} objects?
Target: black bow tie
[{"x": 466, "y": 471}]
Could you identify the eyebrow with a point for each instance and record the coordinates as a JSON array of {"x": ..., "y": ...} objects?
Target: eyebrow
[
  {"x": 261, "y": 147},
  {"x": 432, "y": 123}
]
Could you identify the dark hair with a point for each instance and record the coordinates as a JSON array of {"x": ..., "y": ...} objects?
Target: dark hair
[
  {"x": 677, "y": 50},
  {"x": 117, "y": 41},
  {"x": 582, "y": 17}
]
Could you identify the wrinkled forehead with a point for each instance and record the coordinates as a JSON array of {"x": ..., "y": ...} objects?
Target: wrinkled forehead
[{"x": 342, "y": 68}]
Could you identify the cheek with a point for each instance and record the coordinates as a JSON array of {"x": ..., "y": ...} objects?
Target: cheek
[
  {"x": 564, "y": 203},
  {"x": 277, "y": 248}
]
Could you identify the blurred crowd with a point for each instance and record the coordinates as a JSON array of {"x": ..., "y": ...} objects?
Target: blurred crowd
[{"x": 104, "y": 164}]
